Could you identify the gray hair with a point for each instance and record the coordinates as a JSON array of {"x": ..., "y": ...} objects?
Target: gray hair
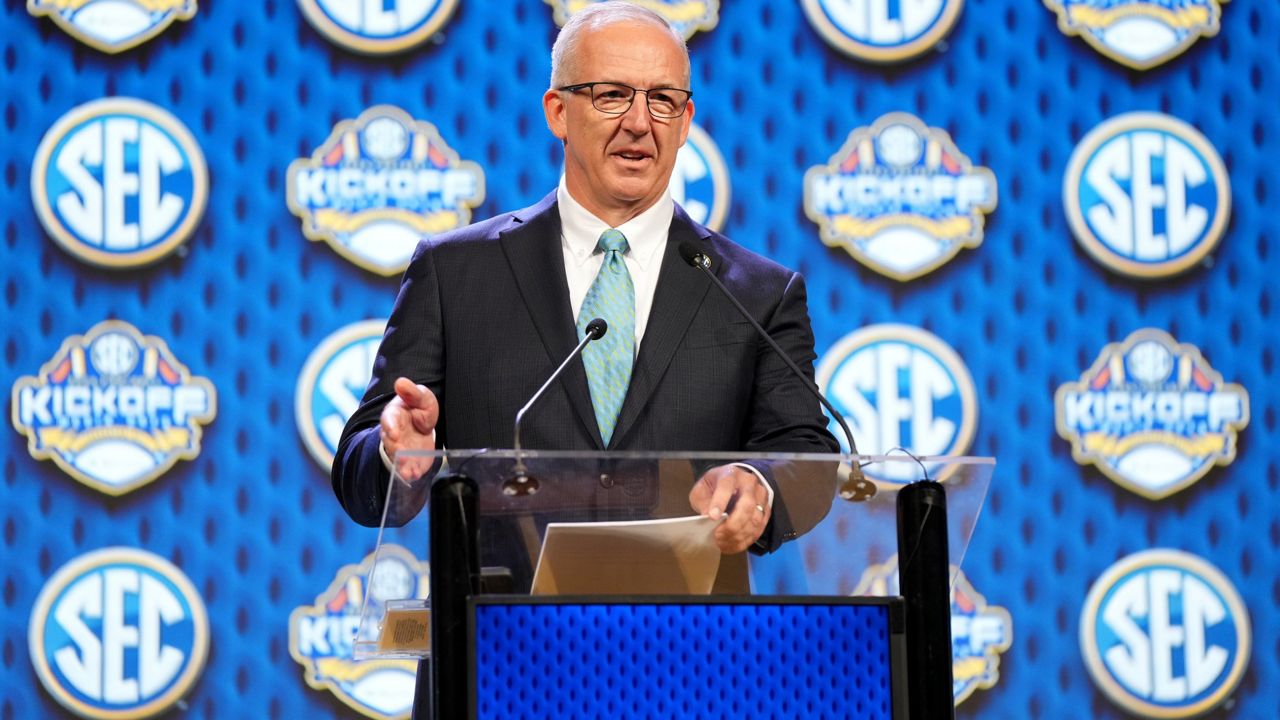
[{"x": 594, "y": 16}]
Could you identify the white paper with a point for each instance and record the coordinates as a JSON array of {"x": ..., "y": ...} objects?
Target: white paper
[{"x": 676, "y": 556}]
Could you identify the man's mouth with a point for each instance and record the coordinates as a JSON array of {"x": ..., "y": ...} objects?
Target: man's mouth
[{"x": 632, "y": 155}]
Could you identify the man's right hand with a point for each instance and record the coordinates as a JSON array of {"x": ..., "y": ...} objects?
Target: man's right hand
[{"x": 409, "y": 423}]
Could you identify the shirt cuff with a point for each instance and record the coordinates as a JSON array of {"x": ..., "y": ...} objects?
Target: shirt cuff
[
  {"x": 386, "y": 461},
  {"x": 391, "y": 466},
  {"x": 767, "y": 487}
]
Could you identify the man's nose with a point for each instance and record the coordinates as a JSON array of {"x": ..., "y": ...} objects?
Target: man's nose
[{"x": 637, "y": 118}]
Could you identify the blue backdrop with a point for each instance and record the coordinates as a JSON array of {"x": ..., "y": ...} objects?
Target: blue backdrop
[{"x": 252, "y": 521}]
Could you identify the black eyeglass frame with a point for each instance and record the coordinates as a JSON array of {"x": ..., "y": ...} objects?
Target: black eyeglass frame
[{"x": 591, "y": 86}]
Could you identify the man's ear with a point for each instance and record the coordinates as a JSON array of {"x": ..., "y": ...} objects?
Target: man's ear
[
  {"x": 554, "y": 108},
  {"x": 685, "y": 122}
]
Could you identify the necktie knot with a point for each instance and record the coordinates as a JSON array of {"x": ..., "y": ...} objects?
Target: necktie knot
[{"x": 612, "y": 241}]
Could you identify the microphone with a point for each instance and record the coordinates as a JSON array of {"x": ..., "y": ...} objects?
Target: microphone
[
  {"x": 520, "y": 482},
  {"x": 855, "y": 486}
]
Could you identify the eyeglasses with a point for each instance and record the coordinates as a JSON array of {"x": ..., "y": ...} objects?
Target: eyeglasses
[{"x": 616, "y": 98}]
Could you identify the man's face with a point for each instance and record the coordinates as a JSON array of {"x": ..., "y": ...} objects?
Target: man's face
[{"x": 617, "y": 166}]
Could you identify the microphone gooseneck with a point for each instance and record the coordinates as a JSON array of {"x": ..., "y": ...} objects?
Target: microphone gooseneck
[
  {"x": 595, "y": 330},
  {"x": 856, "y": 486}
]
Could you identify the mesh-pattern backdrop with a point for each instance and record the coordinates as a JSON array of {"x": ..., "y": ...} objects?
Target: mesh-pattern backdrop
[
  {"x": 252, "y": 521},
  {"x": 624, "y": 658}
]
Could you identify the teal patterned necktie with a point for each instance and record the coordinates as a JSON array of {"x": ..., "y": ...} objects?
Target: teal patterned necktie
[{"x": 608, "y": 360}]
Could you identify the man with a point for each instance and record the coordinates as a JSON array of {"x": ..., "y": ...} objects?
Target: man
[{"x": 486, "y": 313}]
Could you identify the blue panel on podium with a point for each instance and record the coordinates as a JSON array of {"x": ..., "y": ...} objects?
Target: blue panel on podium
[{"x": 646, "y": 657}]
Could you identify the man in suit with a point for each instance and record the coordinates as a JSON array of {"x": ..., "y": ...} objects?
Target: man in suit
[{"x": 486, "y": 313}]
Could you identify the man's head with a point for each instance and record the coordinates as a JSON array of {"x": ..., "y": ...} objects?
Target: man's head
[{"x": 617, "y": 164}]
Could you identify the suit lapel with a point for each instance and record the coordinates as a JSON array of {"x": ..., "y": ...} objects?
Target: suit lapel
[
  {"x": 681, "y": 289},
  {"x": 533, "y": 249}
]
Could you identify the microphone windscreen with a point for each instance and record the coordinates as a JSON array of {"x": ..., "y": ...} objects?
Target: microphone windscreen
[
  {"x": 693, "y": 255},
  {"x": 596, "y": 329}
]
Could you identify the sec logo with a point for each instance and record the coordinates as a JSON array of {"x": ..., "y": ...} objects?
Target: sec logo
[
  {"x": 882, "y": 30},
  {"x": 900, "y": 387},
  {"x": 119, "y": 182},
  {"x": 118, "y": 633},
  {"x": 1146, "y": 195},
  {"x": 377, "y": 28},
  {"x": 1164, "y": 634},
  {"x": 331, "y": 384}
]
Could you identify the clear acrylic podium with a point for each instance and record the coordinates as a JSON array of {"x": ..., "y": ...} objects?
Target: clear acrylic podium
[{"x": 623, "y": 533}]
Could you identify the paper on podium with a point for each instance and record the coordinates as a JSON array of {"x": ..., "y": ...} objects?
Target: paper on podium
[{"x": 676, "y": 556}]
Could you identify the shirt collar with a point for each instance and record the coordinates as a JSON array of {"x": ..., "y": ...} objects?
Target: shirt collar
[{"x": 646, "y": 233}]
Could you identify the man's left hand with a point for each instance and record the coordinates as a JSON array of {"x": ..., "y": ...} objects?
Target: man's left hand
[{"x": 737, "y": 492}]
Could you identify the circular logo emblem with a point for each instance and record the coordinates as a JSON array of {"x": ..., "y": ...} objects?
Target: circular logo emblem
[
  {"x": 1165, "y": 634},
  {"x": 118, "y": 633},
  {"x": 1146, "y": 195},
  {"x": 119, "y": 182},
  {"x": 700, "y": 182},
  {"x": 331, "y": 384},
  {"x": 882, "y": 30},
  {"x": 377, "y": 28},
  {"x": 900, "y": 387}
]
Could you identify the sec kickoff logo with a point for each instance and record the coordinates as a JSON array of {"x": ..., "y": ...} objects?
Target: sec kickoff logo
[
  {"x": 1139, "y": 33},
  {"x": 1151, "y": 414},
  {"x": 119, "y": 182},
  {"x": 1146, "y": 195},
  {"x": 118, "y": 633},
  {"x": 686, "y": 16},
  {"x": 900, "y": 197},
  {"x": 331, "y": 384},
  {"x": 700, "y": 182},
  {"x": 113, "y": 26},
  {"x": 322, "y": 636},
  {"x": 378, "y": 185},
  {"x": 377, "y": 28},
  {"x": 882, "y": 30},
  {"x": 900, "y": 387},
  {"x": 113, "y": 408},
  {"x": 1165, "y": 635},
  {"x": 980, "y": 633}
]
